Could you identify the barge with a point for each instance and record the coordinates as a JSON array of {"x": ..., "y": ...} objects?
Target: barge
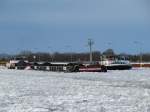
[{"x": 58, "y": 66}]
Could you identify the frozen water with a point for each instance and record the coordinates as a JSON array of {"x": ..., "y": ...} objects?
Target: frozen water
[{"x": 37, "y": 91}]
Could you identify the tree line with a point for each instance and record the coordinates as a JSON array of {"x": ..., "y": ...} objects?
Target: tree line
[{"x": 72, "y": 56}]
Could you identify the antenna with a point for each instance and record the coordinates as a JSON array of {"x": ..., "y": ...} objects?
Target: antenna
[{"x": 90, "y": 44}]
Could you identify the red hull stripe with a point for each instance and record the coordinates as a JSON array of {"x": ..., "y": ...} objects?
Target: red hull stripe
[{"x": 90, "y": 69}]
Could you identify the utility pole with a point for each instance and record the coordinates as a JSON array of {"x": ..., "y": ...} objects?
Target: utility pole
[{"x": 90, "y": 44}]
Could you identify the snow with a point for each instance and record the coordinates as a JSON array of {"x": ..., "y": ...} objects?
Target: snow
[{"x": 39, "y": 91}]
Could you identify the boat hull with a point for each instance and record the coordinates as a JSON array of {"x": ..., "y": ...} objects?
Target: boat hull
[
  {"x": 119, "y": 67},
  {"x": 86, "y": 69},
  {"x": 93, "y": 68}
]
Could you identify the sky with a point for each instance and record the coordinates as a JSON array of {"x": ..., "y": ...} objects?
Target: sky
[{"x": 66, "y": 25}]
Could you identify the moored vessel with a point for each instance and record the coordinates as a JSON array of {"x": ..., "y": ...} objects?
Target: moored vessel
[{"x": 116, "y": 63}]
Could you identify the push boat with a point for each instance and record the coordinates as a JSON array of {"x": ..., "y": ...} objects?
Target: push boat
[{"x": 116, "y": 64}]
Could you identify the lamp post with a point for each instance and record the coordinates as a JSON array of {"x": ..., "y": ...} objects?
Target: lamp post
[
  {"x": 141, "y": 56},
  {"x": 51, "y": 53},
  {"x": 34, "y": 59},
  {"x": 71, "y": 57}
]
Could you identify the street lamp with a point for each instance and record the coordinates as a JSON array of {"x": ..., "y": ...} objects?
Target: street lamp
[
  {"x": 51, "y": 53},
  {"x": 141, "y": 56},
  {"x": 34, "y": 57},
  {"x": 71, "y": 57}
]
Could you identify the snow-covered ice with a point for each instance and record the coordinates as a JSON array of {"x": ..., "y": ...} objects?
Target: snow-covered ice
[{"x": 39, "y": 91}]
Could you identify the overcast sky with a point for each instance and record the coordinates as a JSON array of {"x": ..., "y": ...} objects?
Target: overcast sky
[{"x": 66, "y": 25}]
